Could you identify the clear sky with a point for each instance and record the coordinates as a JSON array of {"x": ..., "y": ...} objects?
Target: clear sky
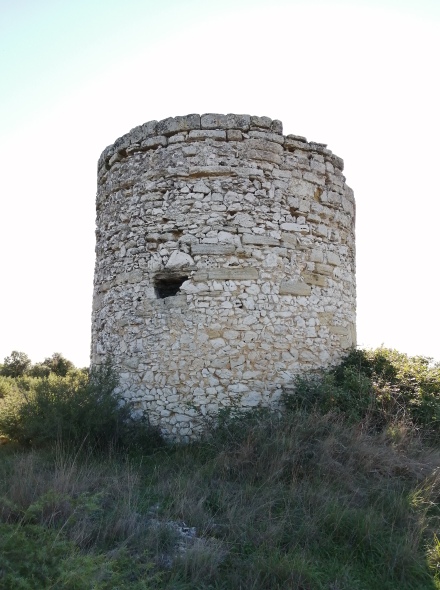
[{"x": 361, "y": 76}]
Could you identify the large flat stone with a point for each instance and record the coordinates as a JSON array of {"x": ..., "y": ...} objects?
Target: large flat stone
[
  {"x": 216, "y": 249},
  {"x": 174, "y": 125},
  {"x": 227, "y": 274},
  {"x": 214, "y": 121},
  {"x": 315, "y": 279},
  {"x": 202, "y": 134},
  {"x": 295, "y": 288}
]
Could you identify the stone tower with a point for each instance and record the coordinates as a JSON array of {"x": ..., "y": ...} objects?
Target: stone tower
[{"x": 225, "y": 264}]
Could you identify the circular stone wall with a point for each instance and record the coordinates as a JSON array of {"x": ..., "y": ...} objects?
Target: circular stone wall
[{"x": 225, "y": 264}]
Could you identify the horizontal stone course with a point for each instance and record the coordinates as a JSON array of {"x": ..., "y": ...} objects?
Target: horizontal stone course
[
  {"x": 295, "y": 288},
  {"x": 226, "y": 274},
  {"x": 217, "y": 127}
]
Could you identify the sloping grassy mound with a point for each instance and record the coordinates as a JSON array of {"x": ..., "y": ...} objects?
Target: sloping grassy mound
[{"x": 326, "y": 494}]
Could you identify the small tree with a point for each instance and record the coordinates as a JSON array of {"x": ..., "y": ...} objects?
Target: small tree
[
  {"x": 15, "y": 365},
  {"x": 58, "y": 364}
]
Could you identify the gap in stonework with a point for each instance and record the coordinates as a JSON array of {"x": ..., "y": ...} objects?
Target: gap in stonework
[{"x": 168, "y": 286}]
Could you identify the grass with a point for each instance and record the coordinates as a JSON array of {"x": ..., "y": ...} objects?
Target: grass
[
  {"x": 300, "y": 501},
  {"x": 316, "y": 497}
]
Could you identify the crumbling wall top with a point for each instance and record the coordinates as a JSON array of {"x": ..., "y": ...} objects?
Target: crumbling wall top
[{"x": 210, "y": 126}]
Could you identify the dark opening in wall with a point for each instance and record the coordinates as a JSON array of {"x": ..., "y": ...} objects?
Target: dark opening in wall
[{"x": 168, "y": 286}]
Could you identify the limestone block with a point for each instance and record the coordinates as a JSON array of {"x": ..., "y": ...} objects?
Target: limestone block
[
  {"x": 227, "y": 274},
  {"x": 294, "y": 144},
  {"x": 249, "y": 172},
  {"x": 129, "y": 277},
  {"x": 324, "y": 269},
  {"x": 218, "y": 343},
  {"x": 174, "y": 125},
  {"x": 241, "y": 122},
  {"x": 321, "y": 230},
  {"x": 316, "y": 255},
  {"x": 277, "y": 126},
  {"x": 214, "y": 121},
  {"x": 289, "y": 240},
  {"x": 291, "y": 287},
  {"x": 296, "y": 227},
  {"x": 325, "y": 318},
  {"x": 251, "y": 399},
  {"x": 340, "y": 330},
  {"x": 314, "y": 178},
  {"x": 264, "y": 145},
  {"x": 222, "y": 373},
  {"x": 315, "y": 279},
  {"x": 234, "y": 135},
  {"x": 276, "y": 138},
  {"x": 333, "y": 259},
  {"x": 215, "y": 249},
  {"x": 337, "y": 162},
  {"x": 231, "y": 334},
  {"x": 302, "y": 189},
  {"x": 228, "y": 238},
  {"x": 201, "y": 135},
  {"x": 264, "y": 155},
  {"x": 179, "y": 259},
  {"x": 131, "y": 362},
  {"x": 307, "y": 355},
  {"x": 154, "y": 142},
  {"x": 243, "y": 220},
  {"x": 263, "y": 122},
  {"x": 272, "y": 260},
  {"x": 260, "y": 240},
  {"x": 179, "y": 138},
  {"x": 210, "y": 171},
  {"x": 318, "y": 166},
  {"x": 122, "y": 142},
  {"x": 200, "y": 187},
  {"x": 148, "y": 130}
]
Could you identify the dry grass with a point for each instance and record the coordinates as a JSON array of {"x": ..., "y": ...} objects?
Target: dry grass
[
  {"x": 310, "y": 499},
  {"x": 296, "y": 501}
]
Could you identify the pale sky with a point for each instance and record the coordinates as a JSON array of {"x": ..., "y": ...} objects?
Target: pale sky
[{"x": 362, "y": 77}]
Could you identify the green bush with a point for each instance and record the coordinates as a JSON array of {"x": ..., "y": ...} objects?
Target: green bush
[
  {"x": 56, "y": 364},
  {"x": 382, "y": 385},
  {"x": 78, "y": 408},
  {"x": 15, "y": 365},
  {"x": 351, "y": 394},
  {"x": 7, "y": 386}
]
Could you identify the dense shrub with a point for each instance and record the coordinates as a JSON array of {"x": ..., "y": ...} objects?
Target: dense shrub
[
  {"x": 19, "y": 364},
  {"x": 15, "y": 365},
  {"x": 7, "y": 386},
  {"x": 78, "y": 408},
  {"x": 55, "y": 364},
  {"x": 383, "y": 385}
]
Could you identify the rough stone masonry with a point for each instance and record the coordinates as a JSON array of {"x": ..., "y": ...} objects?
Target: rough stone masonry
[{"x": 225, "y": 265}]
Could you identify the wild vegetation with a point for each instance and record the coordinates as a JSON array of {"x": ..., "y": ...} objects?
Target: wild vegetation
[{"x": 337, "y": 490}]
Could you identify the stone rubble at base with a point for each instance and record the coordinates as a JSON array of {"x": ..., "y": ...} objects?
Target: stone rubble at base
[{"x": 257, "y": 228}]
